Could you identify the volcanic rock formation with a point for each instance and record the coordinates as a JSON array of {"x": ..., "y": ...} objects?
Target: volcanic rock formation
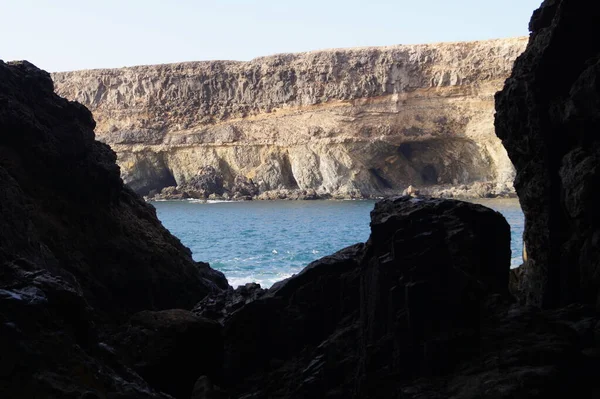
[
  {"x": 349, "y": 123},
  {"x": 548, "y": 117},
  {"x": 421, "y": 310},
  {"x": 78, "y": 249}
]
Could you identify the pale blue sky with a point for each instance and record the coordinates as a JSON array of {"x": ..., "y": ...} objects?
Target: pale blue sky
[{"x": 64, "y": 35}]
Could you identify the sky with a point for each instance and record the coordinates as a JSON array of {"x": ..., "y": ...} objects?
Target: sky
[{"x": 63, "y": 35}]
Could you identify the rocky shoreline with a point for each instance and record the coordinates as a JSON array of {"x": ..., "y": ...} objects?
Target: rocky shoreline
[
  {"x": 99, "y": 301},
  {"x": 464, "y": 192},
  {"x": 209, "y": 184}
]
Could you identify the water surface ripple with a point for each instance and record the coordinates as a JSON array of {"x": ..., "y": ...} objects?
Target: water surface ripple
[{"x": 267, "y": 241}]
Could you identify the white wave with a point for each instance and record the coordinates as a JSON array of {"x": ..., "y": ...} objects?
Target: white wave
[
  {"x": 203, "y": 201},
  {"x": 264, "y": 281}
]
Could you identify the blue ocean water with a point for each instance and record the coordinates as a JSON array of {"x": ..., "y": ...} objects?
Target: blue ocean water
[{"x": 267, "y": 241}]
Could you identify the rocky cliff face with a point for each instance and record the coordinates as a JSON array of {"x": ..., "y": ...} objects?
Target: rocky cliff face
[
  {"x": 355, "y": 122},
  {"x": 78, "y": 250},
  {"x": 548, "y": 116},
  {"x": 418, "y": 311},
  {"x": 421, "y": 310}
]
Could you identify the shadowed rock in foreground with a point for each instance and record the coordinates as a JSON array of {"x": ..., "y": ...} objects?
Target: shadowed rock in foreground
[
  {"x": 78, "y": 249},
  {"x": 421, "y": 310},
  {"x": 548, "y": 117},
  {"x": 65, "y": 207},
  {"x": 352, "y": 321}
]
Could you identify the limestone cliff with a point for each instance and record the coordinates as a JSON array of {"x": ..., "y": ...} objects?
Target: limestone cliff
[{"x": 352, "y": 122}]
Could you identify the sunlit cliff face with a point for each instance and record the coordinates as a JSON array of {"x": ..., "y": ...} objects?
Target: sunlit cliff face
[{"x": 337, "y": 121}]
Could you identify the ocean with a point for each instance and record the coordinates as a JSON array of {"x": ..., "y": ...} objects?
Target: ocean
[{"x": 267, "y": 241}]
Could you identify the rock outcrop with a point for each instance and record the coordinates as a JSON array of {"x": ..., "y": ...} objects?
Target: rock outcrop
[
  {"x": 171, "y": 349},
  {"x": 548, "y": 117},
  {"x": 347, "y": 123},
  {"x": 419, "y": 311},
  {"x": 79, "y": 251}
]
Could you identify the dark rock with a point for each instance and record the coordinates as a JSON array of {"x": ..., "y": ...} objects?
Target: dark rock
[
  {"x": 420, "y": 311},
  {"x": 244, "y": 187},
  {"x": 363, "y": 318},
  {"x": 429, "y": 267},
  {"x": 516, "y": 281},
  {"x": 48, "y": 342},
  {"x": 206, "y": 182},
  {"x": 527, "y": 353},
  {"x": 220, "y": 305},
  {"x": 548, "y": 116},
  {"x": 66, "y": 209},
  {"x": 79, "y": 252},
  {"x": 171, "y": 349},
  {"x": 267, "y": 342},
  {"x": 205, "y": 389},
  {"x": 168, "y": 193}
]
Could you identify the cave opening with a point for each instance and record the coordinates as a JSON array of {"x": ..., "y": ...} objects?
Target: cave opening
[
  {"x": 149, "y": 176},
  {"x": 406, "y": 149},
  {"x": 378, "y": 174},
  {"x": 429, "y": 174}
]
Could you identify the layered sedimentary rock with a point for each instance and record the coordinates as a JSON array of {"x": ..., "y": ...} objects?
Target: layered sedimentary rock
[
  {"x": 548, "y": 117},
  {"x": 355, "y": 122}
]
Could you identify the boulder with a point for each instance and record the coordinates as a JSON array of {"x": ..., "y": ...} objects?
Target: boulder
[
  {"x": 49, "y": 341},
  {"x": 244, "y": 187},
  {"x": 220, "y": 305},
  {"x": 412, "y": 191},
  {"x": 353, "y": 321},
  {"x": 207, "y": 181}
]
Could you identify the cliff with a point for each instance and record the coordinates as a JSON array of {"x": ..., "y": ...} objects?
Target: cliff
[
  {"x": 352, "y": 122},
  {"x": 78, "y": 249},
  {"x": 548, "y": 116},
  {"x": 421, "y": 310}
]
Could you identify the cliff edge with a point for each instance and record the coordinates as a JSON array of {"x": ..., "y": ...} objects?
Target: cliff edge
[{"x": 351, "y": 122}]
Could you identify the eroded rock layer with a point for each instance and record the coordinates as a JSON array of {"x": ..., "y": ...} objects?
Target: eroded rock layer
[{"x": 355, "y": 122}]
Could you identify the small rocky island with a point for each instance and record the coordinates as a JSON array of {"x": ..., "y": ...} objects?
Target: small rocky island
[
  {"x": 98, "y": 300},
  {"x": 346, "y": 123}
]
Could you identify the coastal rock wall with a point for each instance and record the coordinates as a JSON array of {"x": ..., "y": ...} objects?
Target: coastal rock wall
[
  {"x": 79, "y": 251},
  {"x": 548, "y": 119},
  {"x": 353, "y": 122}
]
